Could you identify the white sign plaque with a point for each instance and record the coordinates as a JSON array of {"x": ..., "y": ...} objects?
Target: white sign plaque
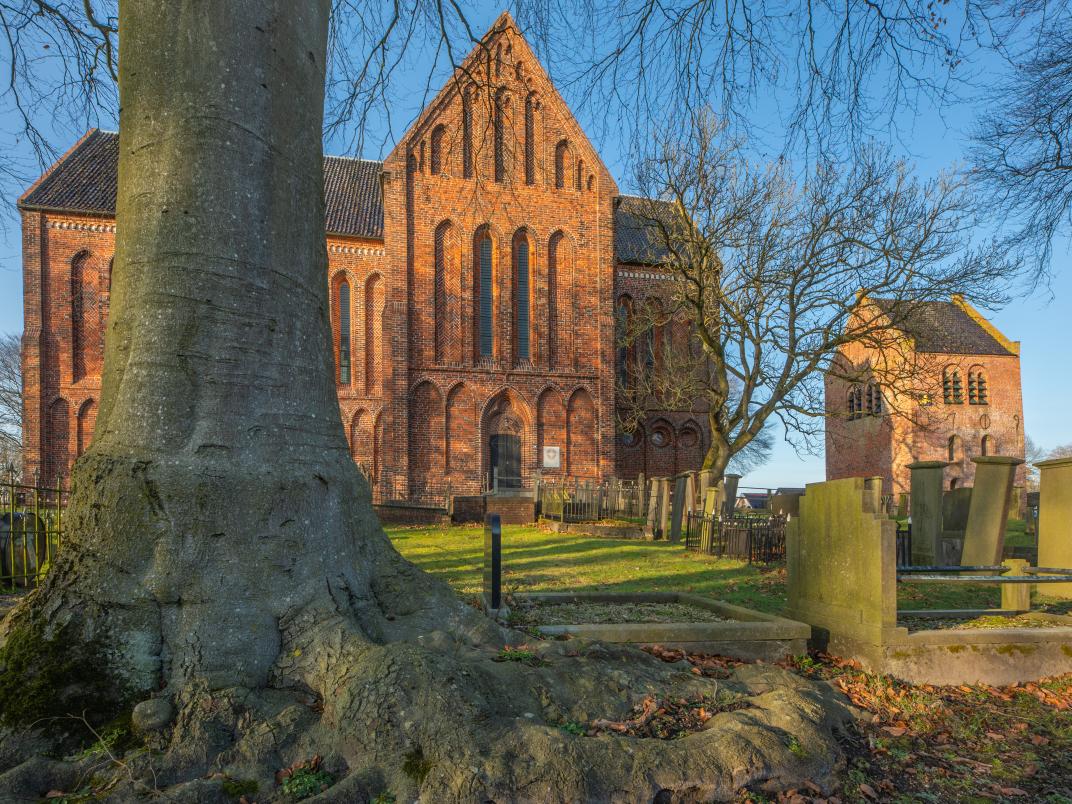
[{"x": 552, "y": 457}]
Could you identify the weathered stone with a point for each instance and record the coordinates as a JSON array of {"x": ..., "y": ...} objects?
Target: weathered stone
[
  {"x": 926, "y": 510},
  {"x": 1055, "y": 520},
  {"x": 984, "y": 537},
  {"x": 152, "y": 715},
  {"x": 729, "y": 486}
]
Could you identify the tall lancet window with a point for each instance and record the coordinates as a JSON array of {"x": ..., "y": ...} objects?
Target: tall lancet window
[
  {"x": 485, "y": 295},
  {"x": 344, "y": 333},
  {"x": 521, "y": 296}
]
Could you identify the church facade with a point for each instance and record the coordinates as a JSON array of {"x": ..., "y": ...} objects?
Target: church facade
[{"x": 477, "y": 277}]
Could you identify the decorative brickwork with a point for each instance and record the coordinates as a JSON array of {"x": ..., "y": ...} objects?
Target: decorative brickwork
[
  {"x": 970, "y": 404},
  {"x": 478, "y": 266}
]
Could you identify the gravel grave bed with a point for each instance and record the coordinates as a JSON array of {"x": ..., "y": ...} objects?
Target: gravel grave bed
[
  {"x": 986, "y": 622},
  {"x": 604, "y": 613}
]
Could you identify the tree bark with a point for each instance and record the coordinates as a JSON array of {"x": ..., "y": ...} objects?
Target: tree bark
[{"x": 223, "y": 551}]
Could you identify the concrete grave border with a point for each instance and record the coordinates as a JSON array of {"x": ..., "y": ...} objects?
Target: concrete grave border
[{"x": 750, "y": 634}]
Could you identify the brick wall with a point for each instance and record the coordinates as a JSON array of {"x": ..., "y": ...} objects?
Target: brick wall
[{"x": 420, "y": 403}]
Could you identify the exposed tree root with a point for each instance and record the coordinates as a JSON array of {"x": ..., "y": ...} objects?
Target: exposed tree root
[{"x": 380, "y": 670}]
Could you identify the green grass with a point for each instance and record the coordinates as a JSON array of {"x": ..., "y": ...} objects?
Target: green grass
[{"x": 536, "y": 560}]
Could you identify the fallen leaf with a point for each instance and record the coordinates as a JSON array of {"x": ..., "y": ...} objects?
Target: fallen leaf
[
  {"x": 868, "y": 790},
  {"x": 1013, "y": 791},
  {"x": 895, "y": 731}
]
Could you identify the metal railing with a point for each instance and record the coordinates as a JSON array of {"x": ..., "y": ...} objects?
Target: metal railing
[
  {"x": 755, "y": 539},
  {"x": 31, "y": 532},
  {"x": 587, "y": 501}
]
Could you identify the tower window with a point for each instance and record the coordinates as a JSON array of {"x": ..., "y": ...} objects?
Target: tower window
[{"x": 437, "y": 165}]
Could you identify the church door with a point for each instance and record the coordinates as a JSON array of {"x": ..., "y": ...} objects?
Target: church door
[{"x": 506, "y": 457}]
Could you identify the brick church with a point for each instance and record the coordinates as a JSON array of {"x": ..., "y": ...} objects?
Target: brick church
[
  {"x": 476, "y": 277},
  {"x": 964, "y": 402}
]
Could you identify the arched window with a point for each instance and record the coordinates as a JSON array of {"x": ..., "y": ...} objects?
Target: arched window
[
  {"x": 852, "y": 403},
  {"x": 591, "y": 182},
  {"x": 623, "y": 316},
  {"x": 578, "y": 183},
  {"x": 467, "y": 134},
  {"x": 874, "y": 399},
  {"x": 530, "y": 139},
  {"x": 952, "y": 389},
  {"x": 438, "y": 162},
  {"x": 442, "y": 301},
  {"x": 522, "y": 301},
  {"x": 561, "y": 151},
  {"x": 988, "y": 446},
  {"x": 498, "y": 133},
  {"x": 955, "y": 450},
  {"x": 484, "y": 276},
  {"x": 977, "y": 390},
  {"x": 344, "y": 332}
]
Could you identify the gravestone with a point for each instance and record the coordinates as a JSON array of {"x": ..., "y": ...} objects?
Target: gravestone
[
  {"x": 642, "y": 494},
  {"x": 902, "y": 506},
  {"x": 492, "y": 563},
  {"x": 678, "y": 506},
  {"x": 664, "y": 508},
  {"x": 955, "y": 506},
  {"x": 712, "y": 503},
  {"x": 1055, "y": 520},
  {"x": 984, "y": 537},
  {"x": 706, "y": 480},
  {"x": 927, "y": 479},
  {"x": 729, "y": 485},
  {"x": 787, "y": 503},
  {"x": 651, "y": 525}
]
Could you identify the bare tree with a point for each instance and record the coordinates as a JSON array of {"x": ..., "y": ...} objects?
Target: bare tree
[
  {"x": 773, "y": 279},
  {"x": 10, "y": 398},
  {"x": 1023, "y": 146}
]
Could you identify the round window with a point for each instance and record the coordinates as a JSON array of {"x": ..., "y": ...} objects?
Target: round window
[
  {"x": 660, "y": 438},
  {"x": 630, "y": 439}
]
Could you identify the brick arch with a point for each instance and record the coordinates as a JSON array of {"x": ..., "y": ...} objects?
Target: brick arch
[
  {"x": 560, "y": 283},
  {"x": 659, "y": 448},
  {"x": 689, "y": 444},
  {"x": 563, "y": 163},
  {"x": 375, "y": 298},
  {"x": 341, "y": 282},
  {"x": 506, "y": 412},
  {"x": 631, "y": 450},
  {"x": 523, "y": 265},
  {"x": 361, "y": 436},
  {"x": 58, "y": 440},
  {"x": 426, "y": 465},
  {"x": 447, "y": 294},
  {"x": 87, "y": 322},
  {"x": 551, "y": 425},
  {"x": 461, "y": 433},
  {"x": 439, "y": 157},
  {"x": 86, "y": 421},
  {"x": 486, "y": 313},
  {"x": 581, "y": 454},
  {"x": 377, "y": 446}
]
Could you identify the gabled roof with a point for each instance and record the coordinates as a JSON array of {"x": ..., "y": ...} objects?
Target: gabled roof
[
  {"x": 946, "y": 327},
  {"x": 85, "y": 179}
]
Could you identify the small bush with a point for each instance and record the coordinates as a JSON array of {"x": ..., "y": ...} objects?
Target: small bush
[{"x": 306, "y": 782}]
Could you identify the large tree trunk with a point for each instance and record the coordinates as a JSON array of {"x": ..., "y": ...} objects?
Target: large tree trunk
[{"x": 223, "y": 551}]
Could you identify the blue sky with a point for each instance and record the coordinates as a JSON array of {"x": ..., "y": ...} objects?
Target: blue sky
[{"x": 932, "y": 141}]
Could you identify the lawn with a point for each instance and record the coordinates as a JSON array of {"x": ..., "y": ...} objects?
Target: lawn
[
  {"x": 536, "y": 560},
  {"x": 913, "y": 743}
]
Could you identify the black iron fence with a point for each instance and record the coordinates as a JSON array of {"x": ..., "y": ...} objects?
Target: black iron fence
[
  {"x": 587, "y": 501},
  {"x": 755, "y": 539},
  {"x": 31, "y": 532}
]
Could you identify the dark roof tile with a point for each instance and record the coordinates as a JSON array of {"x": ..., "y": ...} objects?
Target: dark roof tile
[
  {"x": 85, "y": 180},
  {"x": 636, "y": 240},
  {"x": 941, "y": 327}
]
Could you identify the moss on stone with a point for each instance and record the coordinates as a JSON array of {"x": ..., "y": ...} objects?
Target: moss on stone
[
  {"x": 59, "y": 678},
  {"x": 416, "y": 767}
]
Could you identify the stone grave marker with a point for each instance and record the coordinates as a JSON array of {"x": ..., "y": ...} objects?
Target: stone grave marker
[
  {"x": 1055, "y": 520},
  {"x": 678, "y": 505},
  {"x": 651, "y": 525},
  {"x": 984, "y": 537},
  {"x": 729, "y": 485},
  {"x": 664, "y": 508},
  {"x": 926, "y": 510}
]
